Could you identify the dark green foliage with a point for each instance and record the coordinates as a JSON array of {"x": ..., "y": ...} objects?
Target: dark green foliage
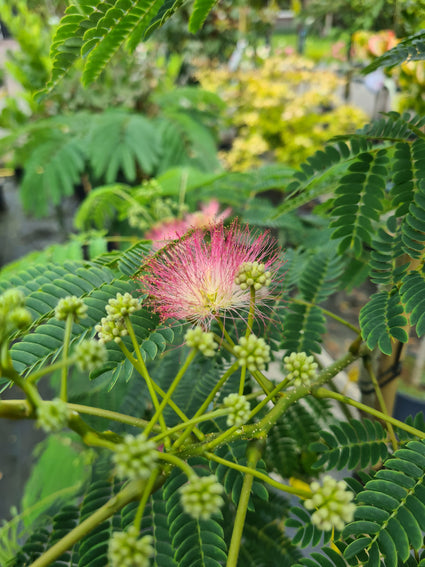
[
  {"x": 196, "y": 542},
  {"x": 231, "y": 479},
  {"x": 329, "y": 558},
  {"x": 382, "y": 319},
  {"x": 306, "y": 532},
  {"x": 303, "y": 324},
  {"x": 351, "y": 444},
  {"x": 410, "y": 49},
  {"x": 287, "y": 450},
  {"x": 390, "y": 516}
]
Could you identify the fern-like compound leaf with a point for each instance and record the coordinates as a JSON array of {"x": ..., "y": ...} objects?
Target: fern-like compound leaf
[
  {"x": 382, "y": 319},
  {"x": 359, "y": 201},
  {"x": 412, "y": 294},
  {"x": 350, "y": 444},
  {"x": 306, "y": 532},
  {"x": 410, "y": 49},
  {"x": 390, "y": 516},
  {"x": 200, "y": 11},
  {"x": 119, "y": 22},
  {"x": 386, "y": 252}
]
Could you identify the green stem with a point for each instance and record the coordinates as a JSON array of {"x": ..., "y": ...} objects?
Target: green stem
[
  {"x": 171, "y": 390},
  {"x": 329, "y": 314},
  {"x": 33, "y": 378},
  {"x": 225, "y": 333},
  {"x": 207, "y": 402},
  {"x": 242, "y": 382},
  {"x": 324, "y": 393},
  {"x": 29, "y": 389},
  {"x": 66, "y": 340},
  {"x": 368, "y": 365},
  {"x": 175, "y": 461},
  {"x": 131, "y": 492},
  {"x": 248, "y": 470},
  {"x": 251, "y": 313},
  {"x": 263, "y": 381},
  {"x": 223, "y": 343},
  {"x": 160, "y": 391},
  {"x": 144, "y": 372},
  {"x": 192, "y": 421},
  {"x": 108, "y": 414},
  {"x": 142, "y": 504},
  {"x": 254, "y": 454}
]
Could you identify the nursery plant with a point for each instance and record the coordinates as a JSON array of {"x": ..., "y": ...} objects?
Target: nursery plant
[{"x": 188, "y": 400}]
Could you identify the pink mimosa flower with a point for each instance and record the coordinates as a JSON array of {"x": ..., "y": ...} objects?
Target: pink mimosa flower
[
  {"x": 194, "y": 278},
  {"x": 170, "y": 229}
]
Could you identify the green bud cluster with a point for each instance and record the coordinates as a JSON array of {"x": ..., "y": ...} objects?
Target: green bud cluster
[
  {"x": 52, "y": 416},
  {"x": 301, "y": 368},
  {"x": 135, "y": 458},
  {"x": 252, "y": 352},
  {"x": 127, "y": 549},
  {"x": 201, "y": 496},
  {"x": 332, "y": 502},
  {"x": 90, "y": 355},
  {"x": 240, "y": 409},
  {"x": 253, "y": 274},
  {"x": 202, "y": 340},
  {"x": 112, "y": 327},
  {"x": 71, "y": 305},
  {"x": 111, "y": 330},
  {"x": 13, "y": 314},
  {"x": 122, "y": 305}
]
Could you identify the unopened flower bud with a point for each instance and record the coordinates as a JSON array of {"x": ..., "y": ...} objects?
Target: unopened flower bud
[
  {"x": 20, "y": 317},
  {"x": 135, "y": 457},
  {"x": 52, "y": 416},
  {"x": 332, "y": 502},
  {"x": 122, "y": 305},
  {"x": 111, "y": 329},
  {"x": 128, "y": 549},
  {"x": 240, "y": 409},
  {"x": 90, "y": 355},
  {"x": 253, "y": 274},
  {"x": 11, "y": 299},
  {"x": 301, "y": 368},
  {"x": 201, "y": 496},
  {"x": 71, "y": 305},
  {"x": 202, "y": 340},
  {"x": 252, "y": 352}
]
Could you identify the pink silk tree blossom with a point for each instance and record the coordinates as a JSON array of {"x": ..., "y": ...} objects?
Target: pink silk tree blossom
[{"x": 194, "y": 278}]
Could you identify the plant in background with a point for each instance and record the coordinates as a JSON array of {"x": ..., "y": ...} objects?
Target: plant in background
[
  {"x": 194, "y": 448},
  {"x": 282, "y": 110}
]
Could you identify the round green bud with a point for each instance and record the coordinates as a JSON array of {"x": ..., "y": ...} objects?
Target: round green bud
[
  {"x": 52, "y": 415},
  {"x": 240, "y": 409},
  {"x": 201, "y": 340},
  {"x": 252, "y": 352},
  {"x": 201, "y": 496},
  {"x": 135, "y": 457},
  {"x": 20, "y": 318},
  {"x": 111, "y": 329},
  {"x": 71, "y": 305},
  {"x": 90, "y": 355},
  {"x": 128, "y": 549},
  {"x": 253, "y": 274},
  {"x": 11, "y": 299},
  {"x": 332, "y": 502},
  {"x": 301, "y": 368},
  {"x": 122, "y": 305}
]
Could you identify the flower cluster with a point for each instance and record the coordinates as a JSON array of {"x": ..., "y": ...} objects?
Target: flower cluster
[
  {"x": 173, "y": 228},
  {"x": 252, "y": 352},
  {"x": 194, "y": 278},
  {"x": 135, "y": 457},
  {"x": 301, "y": 368},
  {"x": 253, "y": 274},
  {"x": 202, "y": 340},
  {"x": 240, "y": 409},
  {"x": 52, "y": 416},
  {"x": 71, "y": 305},
  {"x": 127, "y": 549},
  {"x": 201, "y": 496},
  {"x": 112, "y": 327},
  {"x": 13, "y": 314},
  {"x": 332, "y": 502},
  {"x": 90, "y": 354}
]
